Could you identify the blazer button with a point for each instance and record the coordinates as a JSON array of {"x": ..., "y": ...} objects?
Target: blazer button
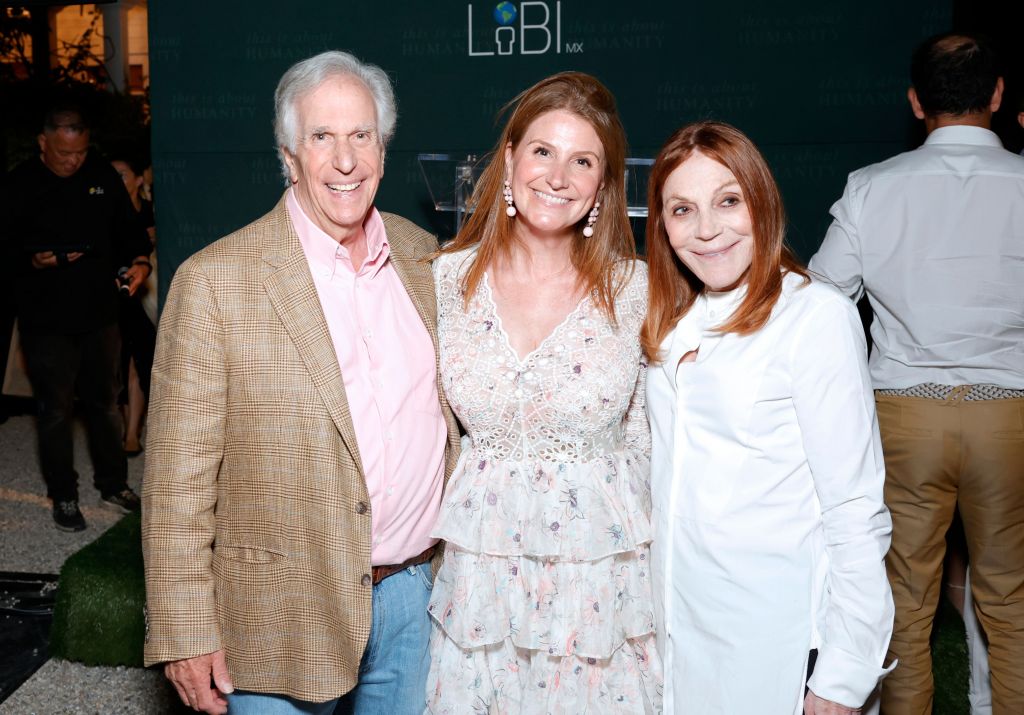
[
  {"x": 361, "y": 508},
  {"x": 367, "y": 580}
]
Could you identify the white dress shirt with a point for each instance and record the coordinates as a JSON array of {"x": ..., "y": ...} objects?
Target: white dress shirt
[
  {"x": 769, "y": 526},
  {"x": 936, "y": 238}
]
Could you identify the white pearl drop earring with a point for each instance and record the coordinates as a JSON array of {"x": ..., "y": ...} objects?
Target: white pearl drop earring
[
  {"x": 510, "y": 210},
  {"x": 588, "y": 230}
]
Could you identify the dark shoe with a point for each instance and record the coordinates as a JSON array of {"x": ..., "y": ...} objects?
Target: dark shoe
[
  {"x": 67, "y": 517},
  {"x": 126, "y": 500}
]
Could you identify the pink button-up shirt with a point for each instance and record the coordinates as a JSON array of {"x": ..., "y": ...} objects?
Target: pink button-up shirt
[{"x": 388, "y": 366}]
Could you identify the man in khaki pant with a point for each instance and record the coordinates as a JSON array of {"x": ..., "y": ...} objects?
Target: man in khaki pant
[{"x": 935, "y": 237}]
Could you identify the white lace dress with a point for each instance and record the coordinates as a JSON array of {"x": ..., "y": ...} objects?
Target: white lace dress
[{"x": 543, "y": 604}]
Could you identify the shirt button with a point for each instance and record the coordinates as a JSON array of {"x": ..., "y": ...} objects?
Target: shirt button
[
  {"x": 391, "y": 490},
  {"x": 367, "y": 581},
  {"x": 367, "y": 334},
  {"x": 361, "y": 508}
]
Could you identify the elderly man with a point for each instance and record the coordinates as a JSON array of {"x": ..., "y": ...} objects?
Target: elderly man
[
  {"x": 299, "y": 438},
  {"x": 69, "y": 228},
  {"x": 935, "y": 237}
]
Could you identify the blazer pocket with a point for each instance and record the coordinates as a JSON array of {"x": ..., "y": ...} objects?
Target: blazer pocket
[
  {"x": 260, "y": 606},
  {"x": 241, "y": 581},
  {"x": 248, "y": 554}
]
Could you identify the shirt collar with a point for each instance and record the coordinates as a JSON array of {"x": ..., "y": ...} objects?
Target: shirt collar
[
  {"x": 710, "y": 310},
  {"x": 323, "y": 251},
  {"x": 718, "y": 306},
  {"x": 964, "y": 134}
]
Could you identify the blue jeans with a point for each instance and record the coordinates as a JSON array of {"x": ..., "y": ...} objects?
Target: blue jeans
[{"x": 393, "y": 671}]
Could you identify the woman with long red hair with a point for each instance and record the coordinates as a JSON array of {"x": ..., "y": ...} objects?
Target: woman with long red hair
[
  {"x": 769, "y": 526},
  {"x": 543, "y": 603}
]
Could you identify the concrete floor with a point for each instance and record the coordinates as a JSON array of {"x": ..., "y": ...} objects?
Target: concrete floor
[{"x": 31, "y": 543}]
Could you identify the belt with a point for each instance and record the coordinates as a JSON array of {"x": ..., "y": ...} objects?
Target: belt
[
  {"x": 382, "y": 572},
  {"x": 955, "y": 393}
]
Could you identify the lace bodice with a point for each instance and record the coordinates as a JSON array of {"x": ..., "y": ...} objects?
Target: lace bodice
[{"x": 565, "y": 401}]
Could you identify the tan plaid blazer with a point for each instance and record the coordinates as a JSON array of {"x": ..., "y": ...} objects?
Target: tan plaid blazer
[{"x": 255, "y": 533}]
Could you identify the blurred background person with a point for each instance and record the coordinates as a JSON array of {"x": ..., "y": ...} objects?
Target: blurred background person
[
  {"x": 1020, "y": 113},
  {"x": 8, "y": 313},
  {"x": 933, "y": 237},
  {"x": 138, "y": 326},
  {"x": 69, "y": 225}
]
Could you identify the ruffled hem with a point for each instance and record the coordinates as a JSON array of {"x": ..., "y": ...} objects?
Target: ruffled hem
[
  {"x": 560, "y": 511},
  {"x": 558, "y": 608},
  {"x": 501, "y": 679}
]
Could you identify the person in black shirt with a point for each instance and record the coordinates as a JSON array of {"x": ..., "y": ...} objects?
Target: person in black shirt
[{"x": 70, "y": 228}]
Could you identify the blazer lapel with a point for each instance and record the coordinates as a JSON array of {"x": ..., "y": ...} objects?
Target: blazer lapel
[{"x": 293, "y": 295}]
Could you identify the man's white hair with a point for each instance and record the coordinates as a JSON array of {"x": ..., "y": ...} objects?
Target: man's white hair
[{"x": 304, "y": 77}]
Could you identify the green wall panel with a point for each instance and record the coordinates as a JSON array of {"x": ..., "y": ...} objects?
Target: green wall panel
[{"x": 820, "y": 86}]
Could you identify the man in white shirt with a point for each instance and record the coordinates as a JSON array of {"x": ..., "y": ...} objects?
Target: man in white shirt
[{"x": 935, "y": 238}]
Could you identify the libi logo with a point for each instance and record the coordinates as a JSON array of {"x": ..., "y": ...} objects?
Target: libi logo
[{"x": 532, "y": 28}]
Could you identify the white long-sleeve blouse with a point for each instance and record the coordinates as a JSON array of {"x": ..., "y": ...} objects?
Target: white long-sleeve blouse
[{"x": 769, "y": 527}]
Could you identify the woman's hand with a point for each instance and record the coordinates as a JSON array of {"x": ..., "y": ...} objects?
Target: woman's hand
[
  {"x": 137, "y": 274},
  {"x": 813, "y": 705}
]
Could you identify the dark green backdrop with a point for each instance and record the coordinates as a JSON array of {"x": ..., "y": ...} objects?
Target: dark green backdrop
[{"x": 819, "y": 86}]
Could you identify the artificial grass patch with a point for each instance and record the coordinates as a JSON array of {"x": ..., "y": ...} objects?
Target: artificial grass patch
[
  {"x": 949, "y": 662},
  {"x": 98, "y": 618}
]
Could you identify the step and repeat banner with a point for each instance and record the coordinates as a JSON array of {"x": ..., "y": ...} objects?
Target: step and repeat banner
[{"x": 821, "y": 87}]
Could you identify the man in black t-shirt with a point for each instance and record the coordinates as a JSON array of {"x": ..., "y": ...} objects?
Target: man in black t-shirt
[{"x": 69, "y": 230}]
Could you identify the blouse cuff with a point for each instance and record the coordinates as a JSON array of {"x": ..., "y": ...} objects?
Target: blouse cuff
[{"x": 844, "y": 678}]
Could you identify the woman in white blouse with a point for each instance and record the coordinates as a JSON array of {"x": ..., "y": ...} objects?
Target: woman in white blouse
[{"x": 769, "y": 526}]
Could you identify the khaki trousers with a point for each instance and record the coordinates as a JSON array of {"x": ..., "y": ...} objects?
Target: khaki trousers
[{"x": 940, "y": 454}]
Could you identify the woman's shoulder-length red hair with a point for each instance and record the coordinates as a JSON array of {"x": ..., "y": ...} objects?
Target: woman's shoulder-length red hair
[
  {"x": 596, "y": 259},
  {"x": 673, "y": 287}
]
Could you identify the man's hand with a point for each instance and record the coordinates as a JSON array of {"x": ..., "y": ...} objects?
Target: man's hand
[
  {"x": 191, "y": 678},
  {"x": 50, "y": 259},
  {"x": 813, "y": 705}
]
